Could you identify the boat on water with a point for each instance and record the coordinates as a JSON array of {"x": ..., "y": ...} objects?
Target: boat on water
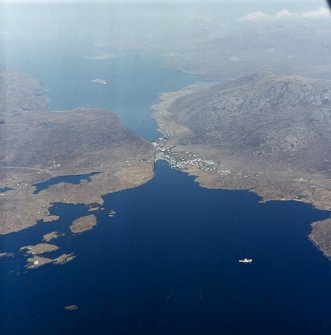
[
  {"x": 99, "y": 81},
  {"x": 246, "y": 260}
]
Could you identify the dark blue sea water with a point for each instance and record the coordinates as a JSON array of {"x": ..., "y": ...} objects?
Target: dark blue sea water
[{"x": 167, "y": 263}]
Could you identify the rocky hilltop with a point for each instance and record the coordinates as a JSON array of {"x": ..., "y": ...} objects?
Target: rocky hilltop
[
  {"x": 282, "y": 120},
  {"x": 263, "y": 132},
  {"x": 37, "y": 145}
]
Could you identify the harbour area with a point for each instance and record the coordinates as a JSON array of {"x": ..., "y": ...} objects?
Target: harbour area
[{"x": 182, "y": 160}]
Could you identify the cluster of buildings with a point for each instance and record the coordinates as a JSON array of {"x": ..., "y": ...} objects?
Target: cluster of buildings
[{"x": 182, "y": 160}]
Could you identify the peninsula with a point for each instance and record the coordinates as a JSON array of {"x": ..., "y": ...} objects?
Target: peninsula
[{"x": 37, "y": 145}]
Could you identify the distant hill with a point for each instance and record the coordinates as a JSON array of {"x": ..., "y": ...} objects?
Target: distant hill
[
  {"x": 269, "y": 133},
  {"x": 282, "y": 120}
]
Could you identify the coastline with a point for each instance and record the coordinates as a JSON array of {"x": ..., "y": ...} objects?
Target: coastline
[
  {"x": 78, "y": 142},
  {"x": 226, "y": 173}
]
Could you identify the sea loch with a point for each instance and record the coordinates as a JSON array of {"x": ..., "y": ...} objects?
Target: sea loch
[{"x": 167, "y": 262}]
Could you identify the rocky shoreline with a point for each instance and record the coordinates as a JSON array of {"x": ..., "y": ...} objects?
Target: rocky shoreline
[{"x": 214, "y": 169}]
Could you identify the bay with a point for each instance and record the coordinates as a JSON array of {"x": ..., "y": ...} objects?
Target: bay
[{"x": 169, "y": 264}]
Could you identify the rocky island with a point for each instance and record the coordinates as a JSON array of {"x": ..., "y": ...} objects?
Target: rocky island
[
  {"x": 83, "y": 224},
  {"x": 38, "y": 261},
  {"x": 267, "y": 133},
  {"x": 51, "y": 236},
  {"x": 37, "y": 145},
  {"x": 40, "y": 248}
]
